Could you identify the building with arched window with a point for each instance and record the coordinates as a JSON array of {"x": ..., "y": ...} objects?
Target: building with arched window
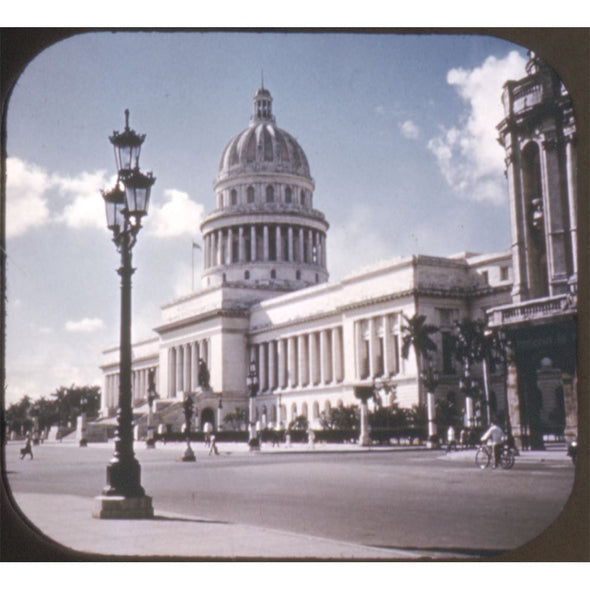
[{"x": 265, "y": 295}]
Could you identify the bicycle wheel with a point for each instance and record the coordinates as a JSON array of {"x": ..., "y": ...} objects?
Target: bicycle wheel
[
  {"x": 507, "y": 459},
  {"x": 482, "y": 457}
]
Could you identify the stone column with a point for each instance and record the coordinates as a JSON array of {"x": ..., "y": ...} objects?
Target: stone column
[
  {"x": 290, "y": 243},
  {"x": 314, "y": 359},
  {"x": 262, "y": 367},
  {"x": 253, "y": 242},
  {"x": 194, "y": 366},
  {"x": 187, "y": 367},
  {"x": 241, "y": 244},
  {"x": 281, "y": 362},
  {"x": 279, "y": 244},
  {"x": 572, "y": 192},
  {"x": 172, "y": 372},
  {"x": 271, "y": 365},
  {"x": 265, "y": 248},
  {"x": 179, "y": 371},
  {"x": 292, "y": 361},
  {"x": 301, "y": 246},
  {"x": 302, "y": 357},
  {"x": 372, "y": 348},
  {"x": 230, "y": 247},
  {"x": 327, "y": 375},
  {"x": 338, "y": 354}
]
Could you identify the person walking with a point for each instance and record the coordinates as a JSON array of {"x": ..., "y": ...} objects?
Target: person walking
[
  {"x": 494, "y": 436},
  {"x": 213, "y": 445},
  {"x": 28, "y": 448},
  {"x": 451, "y": 442}
]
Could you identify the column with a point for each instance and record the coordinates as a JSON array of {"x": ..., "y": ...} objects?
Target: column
[
  {"x": 301, "y": 244},
  {"x": 358, "y": 341},
  {"x": 262, "y": 367},
  {"x": 253, "y": 242},
  {"x": 309, "y": 259},
  {"x": 290, "y": 243},
  {"x": 315, "y": 359},
  {"x": 387, "y": 346},
  {"x": 281, "y": 362},
  {"x": 279, "y": 244},
  {"x": 272, "y": 351},
  {"x": 179, "y": 372},
  {"x": 327, "y": 374},
  {"x": 572, "y": 192},
  {"x": 187, "y": 367},
  {"x": 241, "y": 250},
  {"x": 303, "y": 360},
  {"x": 372, "y": 348},
  {"x": 194, "y": 367},
  {"x": 265, "y": 248},
  {"x": 230, "y": 247},
  {"x": 292, "y": 360}
]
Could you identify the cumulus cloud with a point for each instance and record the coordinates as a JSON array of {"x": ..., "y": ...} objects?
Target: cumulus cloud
[
  {"x": 26, "y": 203},
  {"x": 409, "y": 130},
  {"x": 177, "y": 216},
  {"x": 85, "y": 207},
  {"x": 31, "y": 190},
  {"x": 468, "y": 155},
  {"x": 85, "y": 325}
]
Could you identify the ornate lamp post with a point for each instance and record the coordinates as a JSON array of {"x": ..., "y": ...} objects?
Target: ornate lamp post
[
  {"x": 468, "y": 387},
  {"x": 252, "y": 384},
  {"x": 219, "y": 411},
  {"x": 83, "y": 440},
  {"x": 150, "y": 442},
  {"x": 123, "y": 496},
  {"x": 430, "y": 380},
  {"x": 188, "y": 405}
]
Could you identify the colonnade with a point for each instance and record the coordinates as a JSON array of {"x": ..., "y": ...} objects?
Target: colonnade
[
  {"x": 265, "y": 242},
  {"x": 377, "y": 346},
  {"x": 183, "y": 365},
  {"x": 305, "y": 360},
  {"x": 139, "y": 386}
]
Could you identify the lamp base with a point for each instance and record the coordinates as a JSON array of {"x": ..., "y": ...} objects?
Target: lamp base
[
  {"x": 189, "y": 455},
  {"x": 122, "y": 508}
]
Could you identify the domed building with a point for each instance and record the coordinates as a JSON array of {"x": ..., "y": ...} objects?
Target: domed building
[
  {"x": 264, "y": 231},
  {"x": 265, "y": 303}
]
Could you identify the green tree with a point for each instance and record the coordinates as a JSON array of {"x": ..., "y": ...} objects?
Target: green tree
[
  {"x": 235, "y": 419},
  {"x": 342, "y": 418},
  {"x": 417, "y": 335},
  {"x": 299, "y": 423},
  {"x": 72, "y": 401},
  {"x": 18, "y": 416}
]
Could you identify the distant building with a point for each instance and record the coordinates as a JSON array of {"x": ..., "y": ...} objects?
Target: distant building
[
  {"x": 265, "y": 298},
  {"x": 539, "y": 326}
]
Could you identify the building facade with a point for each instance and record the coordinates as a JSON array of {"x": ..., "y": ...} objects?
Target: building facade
[
  {"x": 539, "y": 329},
  {"x": 265, "y": 298}
]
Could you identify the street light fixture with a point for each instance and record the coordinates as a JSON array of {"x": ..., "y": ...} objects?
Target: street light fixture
[
  {"x": 252, "y": 383},
  {"x": 123, "y": 496},
  {"x": 188, "y": 405},
  {"x": 151, "y": 397},
  {"x": 430, "y": 379}
]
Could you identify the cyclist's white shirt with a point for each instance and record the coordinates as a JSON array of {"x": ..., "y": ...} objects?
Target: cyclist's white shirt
[{"x": 494, "y": 433}]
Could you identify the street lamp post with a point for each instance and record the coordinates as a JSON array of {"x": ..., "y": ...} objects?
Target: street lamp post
[
  {"x": 150, "y": 442},
  {"x": 123, "y": 496},
  {"x": 252, "y": 383},
  {"x": 83, "y": 440},
  {"x": 468, "y": 386},
  {"x": 219, "y": 411},
  {"x": 430, "y": 380},
  {"x": 189, "y": 455}
]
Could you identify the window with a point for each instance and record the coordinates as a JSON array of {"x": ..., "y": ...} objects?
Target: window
[
  {"x": 288, "y": 195},
  {"x": 270, "y": 194},
  {"x": 485, "y": 277},
  {"x": 250, "y": 194},
  {"x": 503, "y": 273},
  {"x": 234, "y": 197},
  {"x": 273, "y": 274}
]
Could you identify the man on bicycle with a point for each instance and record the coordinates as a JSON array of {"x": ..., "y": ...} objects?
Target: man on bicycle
[{"x": 495, "y": 435}]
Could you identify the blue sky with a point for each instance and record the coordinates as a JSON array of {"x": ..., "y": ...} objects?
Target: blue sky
[{"x": 399, "y": 131}]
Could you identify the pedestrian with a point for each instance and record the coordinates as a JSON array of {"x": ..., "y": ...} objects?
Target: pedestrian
[
  {"x": 27, "y": 449},
  {"x": 494, "y": 435},
  {"x": 451, "y": 442},
  {"x": 213, "y": 445}
]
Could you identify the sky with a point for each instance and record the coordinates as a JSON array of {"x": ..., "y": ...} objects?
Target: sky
[{"x": 399, "y": 130}]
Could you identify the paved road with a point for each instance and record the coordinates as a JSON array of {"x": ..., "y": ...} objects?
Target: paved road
[{"x": 402, "y": 499}]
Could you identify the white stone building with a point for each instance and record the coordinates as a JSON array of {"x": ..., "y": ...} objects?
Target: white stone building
[{"x": 266, "y": 298}]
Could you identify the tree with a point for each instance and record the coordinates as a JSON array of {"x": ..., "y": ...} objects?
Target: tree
[
  {"x": 342, "y": 418},
  {"x": 299, "y": 423},
  {"x": 236, "y": 418},
  {"x": 417, "y": 335},
  {"x": 18, "y": 416},
  {"x": 73, "y": 401}
]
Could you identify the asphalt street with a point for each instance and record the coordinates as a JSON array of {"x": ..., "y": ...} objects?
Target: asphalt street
[{"x": 403, "y": 499}]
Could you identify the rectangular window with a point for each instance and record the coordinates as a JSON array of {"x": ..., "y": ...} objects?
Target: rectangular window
[{"x": 503, "y": 273}]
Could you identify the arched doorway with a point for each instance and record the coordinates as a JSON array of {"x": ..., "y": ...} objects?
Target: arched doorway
[{"x": 207, "y": 415}]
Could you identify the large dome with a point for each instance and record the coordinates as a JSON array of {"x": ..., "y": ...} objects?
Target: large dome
[{"x": 263, "y": 147}]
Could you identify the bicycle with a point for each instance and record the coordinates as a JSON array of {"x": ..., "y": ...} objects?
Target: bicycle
[{"x": 485, "y": 454}]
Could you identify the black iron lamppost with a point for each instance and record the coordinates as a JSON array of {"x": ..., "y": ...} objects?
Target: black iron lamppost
[
  {"x": 83, "y": 440},
  {"x": 123, "y": 496},
  {"x": 430, "y": 379},
  {"x": 252, "y": 383},
  {"x": 150, "y": 442},
  {"x": 188, "y": 405}
]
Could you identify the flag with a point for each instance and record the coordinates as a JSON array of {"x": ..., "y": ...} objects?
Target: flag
[{"x": 195, "y": 245}]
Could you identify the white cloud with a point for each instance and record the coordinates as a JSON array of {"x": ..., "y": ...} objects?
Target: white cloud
[
  {"x": 26, "y": 202},
  {"x": 29, "y": 189},
  {"x": 86, "y": 208},
  {"x": 85, "y": 325},
  {"x": 469, "y": 156},
  {"x": 177, "y": 216},
  {"x": 409, "y": 130}
]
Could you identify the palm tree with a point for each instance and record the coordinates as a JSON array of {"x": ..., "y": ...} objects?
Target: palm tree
[{"x": 417, "y": 335}]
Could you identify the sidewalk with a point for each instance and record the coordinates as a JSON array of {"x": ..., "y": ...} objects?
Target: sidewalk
[{"x": 68, "y": 521}]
